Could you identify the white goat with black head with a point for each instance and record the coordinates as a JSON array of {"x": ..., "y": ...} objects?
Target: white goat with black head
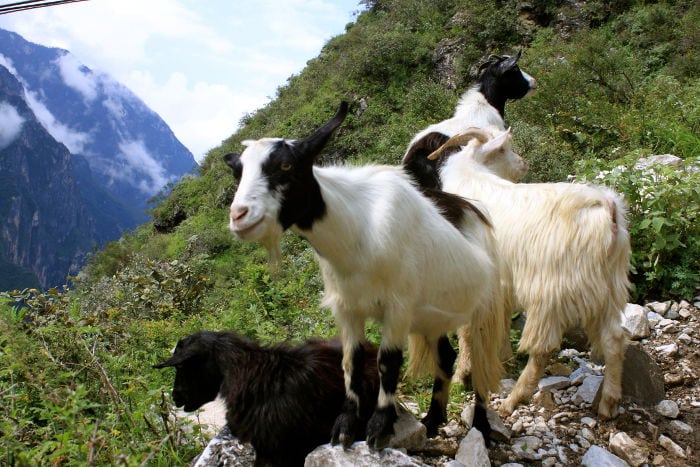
[
  {"x": 482, "y": 106},
  {"x": 567, "y": 248},
  {"x": 387, "y": 252}
]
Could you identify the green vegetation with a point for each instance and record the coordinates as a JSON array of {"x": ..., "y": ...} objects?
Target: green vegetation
[{"x": 618, "y": 81}]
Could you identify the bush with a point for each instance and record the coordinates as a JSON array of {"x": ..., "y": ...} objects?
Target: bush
[
  {"x": 664, "y": 206},
  {"x": 77, "y": 391}
]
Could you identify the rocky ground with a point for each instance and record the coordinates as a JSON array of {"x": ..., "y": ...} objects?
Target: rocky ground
[{"x": 659, "y": 424}]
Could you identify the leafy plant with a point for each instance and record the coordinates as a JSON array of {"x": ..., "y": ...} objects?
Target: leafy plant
[{"x": 664, "y": 205}]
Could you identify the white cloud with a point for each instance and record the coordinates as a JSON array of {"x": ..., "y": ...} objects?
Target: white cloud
[
  {"x": 76, "y": 77},
  {"x": 10, "y": 124},
  {"x": 7, "y": 63},
  {"x": 74, "y": 140},
  {"x": 134, "y": 161}
]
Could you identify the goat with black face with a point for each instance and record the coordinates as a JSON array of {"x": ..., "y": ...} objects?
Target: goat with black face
[
  {"x": 282, "y": 399},
  {"x": 386, "y": 253}
]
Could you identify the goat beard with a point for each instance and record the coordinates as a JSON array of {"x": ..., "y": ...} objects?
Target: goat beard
[{"x": 271, "y": 242}]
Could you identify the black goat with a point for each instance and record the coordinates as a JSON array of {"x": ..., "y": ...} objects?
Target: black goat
[{"x": 282, "y": 399}]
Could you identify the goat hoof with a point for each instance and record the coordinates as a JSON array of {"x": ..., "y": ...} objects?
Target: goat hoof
[
  {"x": 431, "y": 424},
  {"x": 608, "y": 410},
  {"x": 380, "y": 427},
  {"x": 344, "y": 430}
]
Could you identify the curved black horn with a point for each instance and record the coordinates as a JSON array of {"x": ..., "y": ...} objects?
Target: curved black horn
[{"x": 312, "y": 144}]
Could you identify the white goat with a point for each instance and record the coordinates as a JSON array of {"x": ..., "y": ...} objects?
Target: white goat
[
  {"x": 568, "y": 249},
  {"x": 482, "y": 106},
  {"x": 387, "y": 252}
]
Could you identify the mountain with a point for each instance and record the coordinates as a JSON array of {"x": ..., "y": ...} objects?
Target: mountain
[{"x": 80, "y": 156}]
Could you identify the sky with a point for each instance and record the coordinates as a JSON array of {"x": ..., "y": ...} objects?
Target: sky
[{"x": 201, "y": 65}]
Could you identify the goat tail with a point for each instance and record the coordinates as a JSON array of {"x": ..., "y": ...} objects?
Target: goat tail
[
  {"x": 487, "y": 335},
  {"x": 421, "y": 356}
]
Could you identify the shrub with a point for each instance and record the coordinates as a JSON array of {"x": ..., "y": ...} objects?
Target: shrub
[{"x": 664, "y": 205}]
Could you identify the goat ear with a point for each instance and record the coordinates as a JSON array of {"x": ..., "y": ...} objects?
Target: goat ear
[
  {"x": 309, "y": 147},
  {"x": 494, "y": 144},
  {"x": 233, "y": 160},
  {"x": 175, "y": 360},
  {"x": 510, "y": 62}
]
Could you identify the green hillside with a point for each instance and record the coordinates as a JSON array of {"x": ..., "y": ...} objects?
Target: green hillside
[{"x": 617, "y": 81}]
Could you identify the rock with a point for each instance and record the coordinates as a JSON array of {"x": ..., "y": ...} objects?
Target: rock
[
  {"x": 507, "y": 385},
  {"x": 672, "y": 314},
  {"x": 559, "y": 369},
  {"x": 663, "y": 159},
  {"x": 598, "y": 457},
  {"x": 472, "y": 450},
  {"x": 635, "y": 321},
  {"x": 499, "y": 432},
  {"x": 225, "y": 449},
  {"x": 653, "y": 318},
  {"x": 668, "y": 409},
  {"x": 359, "y": 455},
  {"x": 526, "y": 447},
  {"x": 626, "y": 448},
  {"x": 409, "y": 433},
  {"x": 589, "y": 422},
  {"x": 642, "y": 379},
  {"x": 685, "y": 338},
  {"x": 659, "y": 307},
  {"x": 671, "y": 446},
  {"x": 453, "y": 463},
  {"x": 553, "y": 382},
  {"x": 669, "y": 349},
  {"x": 452, "y": 430},
  {"x": 587, "y": 391},
  {"x": 681, "y": 427}
]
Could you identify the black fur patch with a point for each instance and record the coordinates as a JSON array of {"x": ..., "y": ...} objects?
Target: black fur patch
[
  {"x": 446, "y": 356},
  {"x": 291, "y": 174},
  {"x": 390, "y": 361},
  {"x": 453, "y": 207},
  {"x": 425, "y": 172}
]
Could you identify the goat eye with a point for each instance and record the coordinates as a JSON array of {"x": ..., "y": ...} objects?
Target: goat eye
[{"x": 286, "y": 166}]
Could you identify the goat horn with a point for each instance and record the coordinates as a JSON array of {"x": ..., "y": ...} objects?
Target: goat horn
[{"x": 460, "y": 140}]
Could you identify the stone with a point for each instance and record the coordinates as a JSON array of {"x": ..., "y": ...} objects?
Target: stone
[
  {"x": 587, "y": 391},
  {"x": 559, "y": 369},
  {"x": 627, "y": 449},
  {"x": 635, "y": 321},
  {"x": 553, "y": 382},
  {"x": 409, "y": 433},
  {"x": 659, "y": 307},
  {"x": 499, "y": 432},
  {"x": 668, "y": 409},
  {"x": 225, "y": 449},
  {"x": 653, "y": 318},
  {"x": 669, "y": 349},
  {"x": 672, "y": 314},
  {"x": 359, "y": 455},
  {"x": 589, "y": 422},
  {"x": 685, "y": 338},
  {"x": 526, "y": 447},
  {"x": 507, "y": 385},
  {"x": 642, "y": 379},
  {"x": 596, "y": 456},
  {"x": 472, "y": 450},
  {"x": 452, "y": 430},
  {"x": 453, "y": 463},
  {"x": 681, "y": 427},
  {"x": 671, "y": 446},
  {"x": 663, "y": 159}
]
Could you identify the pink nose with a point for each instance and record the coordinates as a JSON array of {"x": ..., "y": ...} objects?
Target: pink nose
[{"x": 238, "y": 213}]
